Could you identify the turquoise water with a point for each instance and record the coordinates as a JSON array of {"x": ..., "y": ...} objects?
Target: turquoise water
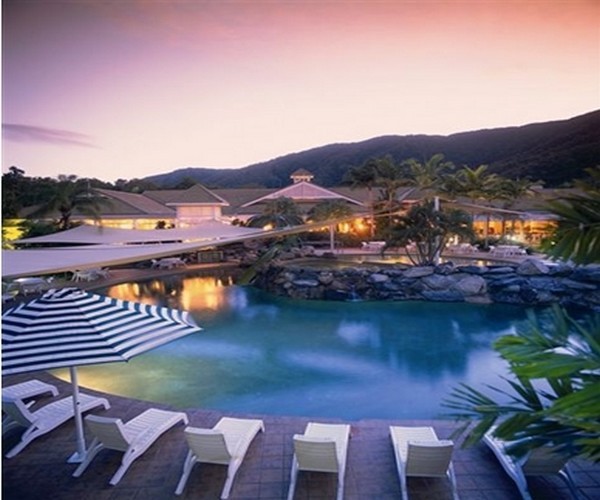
[{"x": 353, "y": 360}]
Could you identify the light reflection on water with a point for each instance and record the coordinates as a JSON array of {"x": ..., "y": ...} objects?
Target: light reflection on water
[{"x": 262, "y": 354}]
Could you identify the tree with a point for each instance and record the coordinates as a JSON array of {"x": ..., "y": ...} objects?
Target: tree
[
  {"x": 12, "y": 184},
  {"x": 330, "y": 210},
  {"x": 429, "y": 229},
  {"x": 364, "y": 176},
  {"x": 71, "y": 196},
  {"x": 510, "y": 191},
  {"x": 278, "y": 213},
  {"x": 564, "y": 412},
  {"x": 554, "y": 396},
  {"x": 577, "y": 236},
  {"x": 478, "y": 185},
  {"x": 429, "y": 177}
]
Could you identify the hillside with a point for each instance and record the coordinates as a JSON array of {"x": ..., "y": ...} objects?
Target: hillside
[{"x": 555, "y": 152}]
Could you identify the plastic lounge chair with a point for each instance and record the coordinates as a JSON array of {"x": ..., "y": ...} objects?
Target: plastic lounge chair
[
  {"x": 538, "y": 462},
  {"x": 322, "y": 448},
  {"x": 419, "y": 453},
  {"x": 226, "y": 443},
  {"x": 28, "y": 389},
  {"x": 22, "y": 391},
  {"x": 47, "y": 418},
  {"x": 132, "y": 438}
]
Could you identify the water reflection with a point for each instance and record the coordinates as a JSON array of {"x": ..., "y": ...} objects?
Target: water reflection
[{"x": 259, "y": 353}]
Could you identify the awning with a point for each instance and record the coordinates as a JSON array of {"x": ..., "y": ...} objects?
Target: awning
[{"x": 98, "y": 235}]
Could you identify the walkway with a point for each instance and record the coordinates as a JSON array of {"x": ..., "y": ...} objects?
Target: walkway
[{"x": 41, "y": 470}]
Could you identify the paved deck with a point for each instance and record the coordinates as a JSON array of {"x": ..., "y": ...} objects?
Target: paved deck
[{"x": 41, "y": 470}]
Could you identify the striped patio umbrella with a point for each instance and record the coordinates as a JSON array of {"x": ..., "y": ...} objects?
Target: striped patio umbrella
[{"x": 71, "y": 327}]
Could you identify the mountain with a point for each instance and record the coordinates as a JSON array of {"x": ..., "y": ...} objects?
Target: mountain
[{"x": 555, "y": 152}]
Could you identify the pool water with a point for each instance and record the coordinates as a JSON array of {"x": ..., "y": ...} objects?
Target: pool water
[{"x": 264, "y": 354}]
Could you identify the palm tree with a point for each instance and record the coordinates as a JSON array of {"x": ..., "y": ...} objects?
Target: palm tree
[
  {"x": 330, "y": 210},
  {"x": 70, "y": 196},
  {"x": 429, "y": 177},
  {"x": 577, "y": 236},
  {"x": 563, "y": 411},
  {"x": 510, "y": 191},
  {"x": 478, "y": 185},
  {"x": 429, "y": 229},
  {"x": 278, "y": 213},
  {"x": 364, "y": 176},
  {"x": 555, "y": 363}
]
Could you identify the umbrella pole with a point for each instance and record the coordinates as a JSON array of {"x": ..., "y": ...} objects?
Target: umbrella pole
[{"x": 79, "y": 455}]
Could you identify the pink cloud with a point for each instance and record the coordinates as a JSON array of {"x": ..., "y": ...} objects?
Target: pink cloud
[{"x": 29, "y": 133}]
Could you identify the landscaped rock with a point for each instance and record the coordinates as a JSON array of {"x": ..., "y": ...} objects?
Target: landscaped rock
[
  {"x": 526, "y": 285},
  {"x": 438, "y": 282},
  {"x": 532, "y": 267},
  {"x": 378, "y": 278},
  {"x": 418, "y": 272},
  {"x": 473, "y": 285}
]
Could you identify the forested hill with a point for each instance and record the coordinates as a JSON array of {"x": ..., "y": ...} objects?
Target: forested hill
[{"x": 555, "y": 152}]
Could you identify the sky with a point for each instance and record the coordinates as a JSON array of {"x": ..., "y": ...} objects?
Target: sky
[{"x": 125, "y": 89}]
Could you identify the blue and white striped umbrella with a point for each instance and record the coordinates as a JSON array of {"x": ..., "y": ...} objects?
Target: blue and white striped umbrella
[{"x": 71, "y": 327}]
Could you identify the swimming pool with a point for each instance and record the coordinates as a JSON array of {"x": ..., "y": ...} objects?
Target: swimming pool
[{"x": 263, "y": 354}]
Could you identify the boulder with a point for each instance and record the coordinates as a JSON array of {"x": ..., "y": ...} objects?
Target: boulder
[
  {"x": 418, "y": 272},
  {"x": 532, "y": 267},
  {"x": 473, "y": 285},
  {"x": 438, "y": 282},
  {"x": 378, "y": 278}
]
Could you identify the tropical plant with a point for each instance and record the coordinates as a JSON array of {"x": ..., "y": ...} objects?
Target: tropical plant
[
  {"x": 71, "y": 196},
  {"x": 480, "y": 186},
  {"x": 278, "y": 213},
  {"x": 364, "y": 176},
  {"x": 577, "y": 236},
  {"x": 429, "y": 230},
  {"x": 329, "y": 210},
  {"x": 554, "y": 398},
  {"x": 429, "y": 177},
  {"x": 510, "y": 191}
]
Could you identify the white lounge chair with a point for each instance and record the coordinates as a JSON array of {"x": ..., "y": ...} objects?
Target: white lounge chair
[
  {"x": 132, "y": 438},
  {"x": 22, "y": 391},
  {"x": 226, "y": 444},
  {"x": 538, "y": 462},
  {"x": 47, "y": 418},
  {"x": 419, "y": 453},
  {"x": 28, "y": 389},
  {"x": 322, "y": 448}
]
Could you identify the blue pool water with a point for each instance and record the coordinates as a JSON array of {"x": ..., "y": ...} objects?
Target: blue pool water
[{"x": 353, "y": 360}]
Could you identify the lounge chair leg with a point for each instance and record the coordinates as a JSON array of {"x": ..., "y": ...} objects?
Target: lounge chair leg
[
  {"x": 294, "y": 476},
  {"x": 340, "y": 491},
  {"x": 93, "y": 450},
  {"x": 188, "y": 465},
  {"x": 228, "y": 483},
  {"x": 27, "y": 437},
  {"x": 565, "y": 473},
  {"x": 128, "y": 459}
]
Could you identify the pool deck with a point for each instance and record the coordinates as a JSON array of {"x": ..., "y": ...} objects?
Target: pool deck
[{"x": 41, "y": 470}]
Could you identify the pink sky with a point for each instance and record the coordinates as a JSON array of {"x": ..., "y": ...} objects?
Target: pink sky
[{"x": 133, "y": 88}]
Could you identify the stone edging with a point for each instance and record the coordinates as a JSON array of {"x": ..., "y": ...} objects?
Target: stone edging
[{"x": 531, "y": 282}]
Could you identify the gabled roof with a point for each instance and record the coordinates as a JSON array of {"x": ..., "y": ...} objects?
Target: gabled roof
[
  {"x": 195, "y": 195},
  {"x": 138, "y": 202},
  {"x": 303, "y": 191}
]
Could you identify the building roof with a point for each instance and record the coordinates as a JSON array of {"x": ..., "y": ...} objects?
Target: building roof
[
  {"x": 195, "y": 195},
  {"x": 303, "y": 191},
  {"x": 133, "y": 203}
]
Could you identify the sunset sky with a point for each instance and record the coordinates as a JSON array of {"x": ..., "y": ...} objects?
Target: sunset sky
[{"x": 139, "y": 87}]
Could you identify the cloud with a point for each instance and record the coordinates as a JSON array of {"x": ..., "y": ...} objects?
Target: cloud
[{"x": 29, "y": 133}]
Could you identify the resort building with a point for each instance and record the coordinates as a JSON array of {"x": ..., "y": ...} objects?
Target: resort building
[{"x": 526, "y": 220}]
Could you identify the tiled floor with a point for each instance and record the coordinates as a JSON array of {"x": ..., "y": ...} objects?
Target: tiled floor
[{"x": 41, "y": 470}]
